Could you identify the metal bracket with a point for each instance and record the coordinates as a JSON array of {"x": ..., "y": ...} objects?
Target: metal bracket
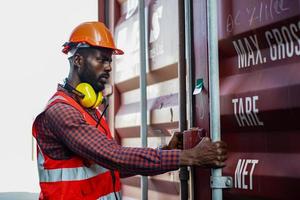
[{"x": 220, "y": 182}]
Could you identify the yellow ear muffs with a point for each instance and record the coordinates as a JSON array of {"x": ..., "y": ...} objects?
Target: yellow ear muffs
[
  {"x": 98, "y": 100},
  {"x": 90, "y": 99}
]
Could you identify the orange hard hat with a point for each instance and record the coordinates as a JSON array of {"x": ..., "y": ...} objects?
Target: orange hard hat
[{"x": 94, "y": 34}]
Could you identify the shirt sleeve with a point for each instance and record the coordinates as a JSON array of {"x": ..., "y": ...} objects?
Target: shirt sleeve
[{"x": 87, "y": 141}]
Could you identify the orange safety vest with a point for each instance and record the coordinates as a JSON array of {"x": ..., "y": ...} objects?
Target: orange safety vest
[{"x": 70, "y": 179}]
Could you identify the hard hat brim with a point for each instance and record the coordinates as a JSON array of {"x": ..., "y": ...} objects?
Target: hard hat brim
[{"x": 118, "y": 52}]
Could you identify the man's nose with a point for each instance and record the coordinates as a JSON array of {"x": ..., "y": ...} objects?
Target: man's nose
[{"x": 107, "y": 67}]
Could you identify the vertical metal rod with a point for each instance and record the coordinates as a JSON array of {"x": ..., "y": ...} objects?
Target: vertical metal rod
[
  {"x": 183, "y": 173},
  {"x": 190, "y": 69},
  {"x": 188, "y": 55},
  {"x": 143, "y": 90},
  {"x": 106, "y": 12},
  {"x": 106, "y": 22},
  {"x": 214, "y": 93}
]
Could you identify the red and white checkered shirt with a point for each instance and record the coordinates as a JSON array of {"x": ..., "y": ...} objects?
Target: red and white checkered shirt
[{"x": 63, "y": 132}]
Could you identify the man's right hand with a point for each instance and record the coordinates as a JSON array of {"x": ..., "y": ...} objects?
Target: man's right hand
[{"x": 206, "y": 154}]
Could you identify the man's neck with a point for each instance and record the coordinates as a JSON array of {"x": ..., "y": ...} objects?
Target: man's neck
[{"x": 73, "y": 80}]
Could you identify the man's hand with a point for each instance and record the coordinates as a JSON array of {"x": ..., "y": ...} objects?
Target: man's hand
[
  {"x": 206, "y": 154},
  {"x": 176, "y": 142}
]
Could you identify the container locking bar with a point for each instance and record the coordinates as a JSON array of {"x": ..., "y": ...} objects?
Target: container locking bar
[{"x": 221, "y": 182}]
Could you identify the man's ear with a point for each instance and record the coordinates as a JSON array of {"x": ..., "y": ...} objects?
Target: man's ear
[{"x": 78, "y": 60}]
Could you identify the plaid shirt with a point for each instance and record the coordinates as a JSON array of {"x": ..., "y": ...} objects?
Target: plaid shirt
[{"x": 63, "y": 132}]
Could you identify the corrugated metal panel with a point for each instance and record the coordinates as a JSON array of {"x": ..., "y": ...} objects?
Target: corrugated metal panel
[
  {"x": 162, "y": 89},
  {"x": 259, "y": 48},
  {"x": 258, "y": 91}
]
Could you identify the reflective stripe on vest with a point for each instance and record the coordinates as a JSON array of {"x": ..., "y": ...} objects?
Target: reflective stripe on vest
[
  {"x": 111, "y": 196},
  {"x": 67, "y": 174}
]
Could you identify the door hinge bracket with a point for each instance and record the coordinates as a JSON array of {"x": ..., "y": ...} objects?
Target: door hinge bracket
[{"x": 221, "y": 182}]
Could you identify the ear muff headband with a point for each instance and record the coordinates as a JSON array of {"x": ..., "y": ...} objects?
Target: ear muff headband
[{"x": 90, "y": 99}]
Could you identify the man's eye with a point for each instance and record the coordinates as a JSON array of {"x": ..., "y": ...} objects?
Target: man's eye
[{"x": 105, "y": 60}]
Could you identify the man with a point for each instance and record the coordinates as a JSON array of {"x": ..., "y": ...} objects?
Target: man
[{"x": 77, "y": 156}]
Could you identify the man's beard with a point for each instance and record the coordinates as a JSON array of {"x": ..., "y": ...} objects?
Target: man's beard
[
  {"x": 98, "y": 87},
  {"x": 88, "y": 77}
]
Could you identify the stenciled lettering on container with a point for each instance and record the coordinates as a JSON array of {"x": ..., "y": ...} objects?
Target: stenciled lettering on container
[
  {"x": 283, "y": 42},
  {"x": 131, "y": 7},
  {"x": 246, "y": 112},
  {"x": 243, "y": 176},
  {"x": 155, "y": 30},
  {"x": 248, "y": 51}
]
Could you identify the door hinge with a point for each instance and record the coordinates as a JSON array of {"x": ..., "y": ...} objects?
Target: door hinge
[{"x": 221, "y": 182}]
